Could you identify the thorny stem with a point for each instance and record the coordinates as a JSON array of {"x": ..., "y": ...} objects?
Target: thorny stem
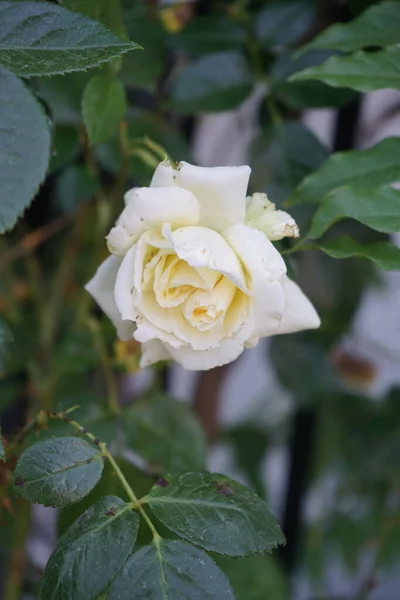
[
  {"x": 44, "y": 382},
  {"x": 106, "y": 203},
  {"x": 136, "y": 503}
]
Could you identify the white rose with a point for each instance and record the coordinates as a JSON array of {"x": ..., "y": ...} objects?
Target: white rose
[
  {"x": 276, "y": 224},
  {"x": 189, "y": 278}
]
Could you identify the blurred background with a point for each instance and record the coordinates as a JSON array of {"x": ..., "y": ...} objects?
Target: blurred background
[{"x": 310, "y": 421}]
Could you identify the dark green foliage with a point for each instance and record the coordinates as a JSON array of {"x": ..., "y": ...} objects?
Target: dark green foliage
[
  {"x": 170, "y": 570},
  {"x": 129, "y": 473},
  {"x": 213, "y": 83},
  {"x": 24, "y": 146},
  {"x": 362, "y": 168},
  {"x": 216, "y": 513},
  {"x": 103, "y": 107},
  {"x": 378, "y": 26},
  {"x": 39, "y": 38},
  {"x": 58, "y": 471},
  {"x": 166, "y": 434},
  {"x": 91, "y": 552}
]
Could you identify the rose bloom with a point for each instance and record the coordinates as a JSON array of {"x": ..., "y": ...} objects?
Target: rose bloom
[{"x": 193, "y": 274}]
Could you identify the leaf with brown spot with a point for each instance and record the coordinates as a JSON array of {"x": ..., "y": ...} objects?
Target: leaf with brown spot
[
  {"x": 162, "y": 482},
  {"x": 216, "y": 513},
  {"x": 99, "y": 543}
]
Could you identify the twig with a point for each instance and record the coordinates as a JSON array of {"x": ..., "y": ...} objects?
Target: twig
[
  {"x": 136, "y": 503},
  {"x": 34, "y": 239},
  {"x": 112, "y": 391},
  {"x": 16, "y": 565}
]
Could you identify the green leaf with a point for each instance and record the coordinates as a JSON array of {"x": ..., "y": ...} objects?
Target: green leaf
[
  {"x": 378, "y": 208},
  {"x": 166, "y": 434},
  {"x": 250, "y": 446},
  {"x": 379, "y": 25},
  {"x": 91, "y": 552},
  {"x": 103, "y": 107},
  {"x": 170, "y": 570},
  {"x": 361, "y": 71},
  {"x": 143, "y": 69},
  {"x": 11, "y": 390},
  {"x": 358, "y": 6},
  {"x": 96, "y": 418},
  {"x": 75, "y": 351},
  {"x": 58, "y": 472},
  {"x": 2, "y": 452},
  {"x": 294, "y": 355},
  {"x": 140, "y": 125},
  {"x": 366, "y": 436},
  {"x": 207, "y": 34},
  {"x": 107, "y": 12},
  {"x": 109, "y": 485},
  {"x": 215, "y": 82},
  {"x": 39, "y": 38},
  {"x": 24, "y": 147},
  {"x": 384, "y": 254},
  {"x": 63, "y": 96},
  {"x": 255, "y": 577},
  {"x": 73, "y": 186},
  {"x": 215, "y": 513},
  {"x": 284, "y": 22},
  {"x": 65, "y": 146},
  {"x": 284, "y": 155},
  {"x": 367, "y": 168},
  {"x": 305, "y": 94}
]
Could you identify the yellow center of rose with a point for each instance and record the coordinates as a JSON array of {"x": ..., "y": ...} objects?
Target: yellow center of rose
[{"x": 203, "y": 295}]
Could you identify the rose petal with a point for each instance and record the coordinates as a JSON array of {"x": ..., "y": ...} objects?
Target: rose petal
[
  {"x": 129, "y": 195},
  {"x": 204, "y": 308},
  {"x": 265, "y": 267},
  {"x": 203, "y": 247},
  {"x": 220, "y": 191},
  {"x": 123, "y": 286},
  {"x": 299, "y": 313},
  {"x": 147, "y": 331},
  {"x": 153, "y": 352},
  {"x": 146, "y": 256},
  {"x": 226, "y": 352},
  {"x": 169, "y": 325},
  {"x": 152, "y": 207},
  {"x": 239, "y": 315},
  {"x": 251, "y": 343},
  {"x": 119, "y": 241},
  {"x": 157, "y": 315},
  {"x": 262, "y": 214},
  {"x": 164, "y": 175},
  {"x": 169, "y": 293},
  {"x": 101, "y": 288}
]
